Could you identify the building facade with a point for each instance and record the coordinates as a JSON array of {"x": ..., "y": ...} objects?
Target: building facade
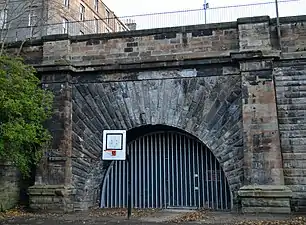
[{"x": 20, "y": 20}]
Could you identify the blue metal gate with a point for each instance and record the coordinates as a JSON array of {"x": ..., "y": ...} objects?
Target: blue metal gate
[{"x": 168, "y": 169}]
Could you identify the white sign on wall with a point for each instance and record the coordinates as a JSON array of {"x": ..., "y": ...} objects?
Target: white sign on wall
[{"x": 114, "y": 145}]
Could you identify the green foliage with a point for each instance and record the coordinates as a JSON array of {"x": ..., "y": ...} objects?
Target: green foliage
[{"x": 24, "y": 106}]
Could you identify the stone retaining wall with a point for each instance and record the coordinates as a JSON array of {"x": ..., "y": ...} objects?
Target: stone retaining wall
[{"x": 9, "y": 186}]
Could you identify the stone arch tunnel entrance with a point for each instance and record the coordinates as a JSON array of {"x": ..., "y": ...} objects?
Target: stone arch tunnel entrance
[{"x": 169, "y": 169}]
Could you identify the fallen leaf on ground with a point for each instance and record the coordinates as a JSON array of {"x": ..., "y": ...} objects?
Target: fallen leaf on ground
[
  {"x": 122, "y": 212},
  {"x": 15, "y": 212},
  {"x": 189, "y": 216}
]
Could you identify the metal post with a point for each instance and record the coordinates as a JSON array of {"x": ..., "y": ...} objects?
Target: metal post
[
  {"x": 205, "y": 8},
  {"x": 278, "y": 25},
  {"x": 129, "y": 185}
]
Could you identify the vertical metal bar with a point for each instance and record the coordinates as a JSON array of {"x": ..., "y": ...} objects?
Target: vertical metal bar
[
  {"x": 146, "y": 167},
  {"x": 203, "y": 175},
  {"x": 189, "y": 170},
  {"x": 157, "y": 178},
  {"x": 173, "y": 169},
  {"x": 177, "y": 175},
  {"x": 278, "y": 25},
  {"x": 205, "y": 8},
  {"x": 181, "y": 172},
  {"x": 112, "y": 185},
  {"x": 132, "y": 159},
  {"x": 144, "y": 173},
  {"x": 124, "y": 182},
  {"x": 216, "y": 184},
  {"x": 162, "y": 157},
  {"x": 170, "y": 168},
  {"x": 141, "y": 172},
  {"x": 167, "y": 187},
  {"x": 193, "y": 172},
  {"x": 207, "y": 178},
  {"x": 198, "y": 177},
  {"x": 138, "y": 174},
  {"x": 115, "y": 166},
  {"x": 120, "y": 187},
  {"x": 212, "y": 181},
  {"x": 129, "y": 212},
  {"x": 134, "y": 154},
  {"x": 153, "y": 168},
  {"x": 221, "y": 188},
  {"x": 185, "y": 172}
]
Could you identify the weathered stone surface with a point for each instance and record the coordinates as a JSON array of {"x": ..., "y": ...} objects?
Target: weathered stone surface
[
  {"x": 9, "y": 186},
  {"x": 265, "y": 199},
  {"x": 55, "y": 167},
  {"x": 290, "y": 87},
  {"x": 57, "y": 198},
  {"x": 255, "y": 35},
  {"x": 262, "y": 158},
  {"x": 207, "y": 107}
]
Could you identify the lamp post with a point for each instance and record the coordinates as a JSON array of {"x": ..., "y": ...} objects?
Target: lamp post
[{"x": 206, "y": 6}]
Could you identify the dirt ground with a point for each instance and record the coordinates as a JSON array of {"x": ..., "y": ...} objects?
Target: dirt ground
[{"x": 118, "y": 216}]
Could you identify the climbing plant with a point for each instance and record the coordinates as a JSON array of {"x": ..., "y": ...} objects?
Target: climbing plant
[{"x": 24, "y": 106}]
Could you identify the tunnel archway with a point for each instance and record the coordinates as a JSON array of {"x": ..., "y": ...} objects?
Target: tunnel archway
[{"x": 169, "y": 169}]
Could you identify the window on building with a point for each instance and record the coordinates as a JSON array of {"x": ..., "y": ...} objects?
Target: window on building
[
  {"x": 81, "y": 32},
  {"x": 33, "y": 17},
  {"x": 66, "y": 3},
  {"x": 120, "y": 28},
  {"x": 107, "y": 15},
  {"x": 3, "y": 18},
  {"x": 96, "y": 24},
  {"x": 65, "y": 26},
  {"x": 82, "y": 12},
  {"x": 96, "y": 5}
]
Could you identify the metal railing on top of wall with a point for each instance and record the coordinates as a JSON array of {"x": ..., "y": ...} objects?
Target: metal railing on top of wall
[{"x": 168, "y": 19}]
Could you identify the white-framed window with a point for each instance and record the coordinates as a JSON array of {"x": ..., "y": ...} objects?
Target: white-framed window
[
  {"x": 82, "y": 12},
  {"x": 65, "y": 26},
  {"x": 66, "y": 3},
  {"x": 119, "y": 27},
  {"x": 3, "y": 18},
  {"x": 107, "y": 15},
  {"x": 96, "y": 25},
  {"x": 33, "y": 17},
  {"x": 96, "y": 5}
]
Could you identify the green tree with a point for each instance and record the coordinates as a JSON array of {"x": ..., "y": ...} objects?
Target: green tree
[{"x": 24, "y": 107}]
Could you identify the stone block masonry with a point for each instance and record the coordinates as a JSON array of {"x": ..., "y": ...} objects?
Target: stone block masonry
[
  {"x": 265, "y": 199},
  {"x": 9, "y": 186},
  {"x": 228, "y": 84},
  {"x": 290, "y": 90}
]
